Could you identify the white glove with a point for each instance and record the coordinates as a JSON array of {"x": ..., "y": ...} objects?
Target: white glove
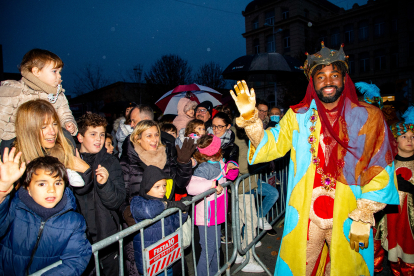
[{"x": 75, "y": 179}]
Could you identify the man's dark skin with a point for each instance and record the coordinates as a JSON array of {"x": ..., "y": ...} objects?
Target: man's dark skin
[{"x": 329, "y": 84}]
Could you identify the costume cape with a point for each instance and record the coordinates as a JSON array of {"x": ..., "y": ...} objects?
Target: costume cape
[{"x": 292, "y": 134}]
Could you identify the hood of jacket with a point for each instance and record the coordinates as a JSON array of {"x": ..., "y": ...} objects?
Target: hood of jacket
[{"x": 185, "y": 104}]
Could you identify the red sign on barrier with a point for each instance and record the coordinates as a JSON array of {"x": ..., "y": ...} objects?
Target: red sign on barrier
[
  {"x": 162, "y": 254},
  {"x": 272, "y": 180}
]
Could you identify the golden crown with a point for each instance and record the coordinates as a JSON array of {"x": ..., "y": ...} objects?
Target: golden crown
[{"x": 325, "y": 56}]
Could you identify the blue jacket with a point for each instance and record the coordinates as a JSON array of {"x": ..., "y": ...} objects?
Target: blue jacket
[
  {"x": 142, "y": 209},
  {"x": 61, "y": 238}
]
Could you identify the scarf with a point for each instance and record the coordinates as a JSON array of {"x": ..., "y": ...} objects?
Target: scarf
[
  {"x": 43, "y": 212},
  {"x": 34, "y": 83},
  {"x": 157, "y": 158},
  {"x": 356, "y": 150},
  {"x": 225, "y": 138}
]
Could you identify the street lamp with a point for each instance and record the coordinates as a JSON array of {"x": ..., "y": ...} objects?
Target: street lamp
[
  {"x": 274, "y": 38},
  {"x": 274, "y": 50}
]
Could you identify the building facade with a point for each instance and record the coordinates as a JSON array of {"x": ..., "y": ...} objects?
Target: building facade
[{"x": 378, "y": 37}]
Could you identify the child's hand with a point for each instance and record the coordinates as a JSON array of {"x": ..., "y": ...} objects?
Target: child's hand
[
  {"x": 102, "y": 174},
  {"x": 10, "y": 171},
  {"x": 231, "y": 166},
  {"x": 193, "y": 162},
  {"x": 219, "y": 188},
  {"x": 70, "y": 127},
  {"x": 78, "y": 164}
]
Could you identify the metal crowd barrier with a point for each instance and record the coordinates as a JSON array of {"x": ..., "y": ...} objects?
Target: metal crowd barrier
[
  {"x": 276, "y": 213},
  {"x": 119, "y": 237}
]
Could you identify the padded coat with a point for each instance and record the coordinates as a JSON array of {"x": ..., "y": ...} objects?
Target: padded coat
[
  {"x": 62, "y": 237},
  {"x": 142, "y": 209}
]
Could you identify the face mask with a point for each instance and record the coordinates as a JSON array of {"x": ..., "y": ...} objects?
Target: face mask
[{"x": 275, "y": 118}]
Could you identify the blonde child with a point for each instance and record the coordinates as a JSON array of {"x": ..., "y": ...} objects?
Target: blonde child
[
  {"x": 210, "y": 173},
  {"x": 41, "y": 80}
]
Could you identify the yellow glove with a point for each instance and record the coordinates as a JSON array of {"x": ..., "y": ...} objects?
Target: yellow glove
[
  {"x": 359, "y": 235},
  {"x": 245, "y": 101}
]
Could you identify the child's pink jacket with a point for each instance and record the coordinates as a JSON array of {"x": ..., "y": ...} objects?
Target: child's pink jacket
[{"x": 199, "y": 185}]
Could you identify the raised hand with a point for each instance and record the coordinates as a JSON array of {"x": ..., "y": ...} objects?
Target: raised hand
[
  {"x": 70, "y": 127},
  {"x": 245, "y": 100},
  {"x": 78, "y": 164},
  {"x": 184, "y": 154},
  {"x": 102, "y": 174},
  {"x": 10, "y": 171}
]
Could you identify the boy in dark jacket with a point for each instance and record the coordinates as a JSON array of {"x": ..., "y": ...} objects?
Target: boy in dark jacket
[
  {"x": 103, "y": 193},
  {"x": 39, "y": 225},
  {"x": 150, "y": 203}
]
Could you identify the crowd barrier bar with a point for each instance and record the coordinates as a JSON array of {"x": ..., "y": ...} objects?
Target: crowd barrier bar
[
  {"x": 276, "y": 211},
  {"x": 119, "y": 237}
]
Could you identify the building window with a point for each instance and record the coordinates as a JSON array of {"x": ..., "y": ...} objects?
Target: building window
[
  {"x": 306, "y": 12},
  {"x": 255, "y": 23},
  {"x": 363, "y": 30},
  {"x": 270, "y": 44},
  {"x": 285, "y": 13},
  {"x": 349, "y": 33},
  {"x": 394, "y": 57},
  {"x": 411, "y": 45},
  {"x": 364, "y": 62},
  {"x": 351, "y": 64},
  {"x": 335, "y": 37},
  {"x": 270, "y": 17},
  {"x": 379, "y": 60},
  {"x": 256, "y": 46},
  {"x": 286, "y": 40},
  {"x": 394, "y": 25},
  {"x": 379, "y": 27}
]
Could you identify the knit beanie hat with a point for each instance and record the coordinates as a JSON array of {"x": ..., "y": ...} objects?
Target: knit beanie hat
[
  {"x": 207, "y": 105},
  {"x": 151, "y": 175}
]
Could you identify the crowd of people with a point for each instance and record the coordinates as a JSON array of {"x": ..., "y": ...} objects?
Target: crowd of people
[{"x": 66, "y": 184}]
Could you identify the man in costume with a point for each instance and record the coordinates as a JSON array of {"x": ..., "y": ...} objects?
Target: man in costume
[
  {"x": 341, "y": 170},
  {"x": 398, "y": 235}
]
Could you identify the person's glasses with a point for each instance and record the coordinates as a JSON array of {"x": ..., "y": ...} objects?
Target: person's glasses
[
  {"x": 263, "y": 111},
  {"x": 217, "y": 127},
  {"x": 202, "y": 111}
]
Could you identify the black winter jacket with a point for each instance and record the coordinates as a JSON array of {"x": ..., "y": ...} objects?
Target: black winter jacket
[
  {"x": 133, "y": 169},
  {"x": 99, "y": 203}
]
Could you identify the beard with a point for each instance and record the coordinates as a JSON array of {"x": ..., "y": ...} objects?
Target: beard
[{"x": 330, "y": 99}]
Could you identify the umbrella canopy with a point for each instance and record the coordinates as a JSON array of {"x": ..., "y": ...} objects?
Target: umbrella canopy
[
  {"x": 199, "y": 93},
  {"x": 262, "y": 67}
]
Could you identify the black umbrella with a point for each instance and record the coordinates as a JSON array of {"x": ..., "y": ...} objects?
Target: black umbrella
[{"x": 267, "y": 67}]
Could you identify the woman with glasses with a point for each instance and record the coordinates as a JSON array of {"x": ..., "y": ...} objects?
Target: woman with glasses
[{"x": 220, "y": 127}]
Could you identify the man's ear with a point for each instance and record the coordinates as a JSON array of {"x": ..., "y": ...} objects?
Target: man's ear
[
  {"x": 36, "y": 71},
  {"x": 80, "y": 138}
]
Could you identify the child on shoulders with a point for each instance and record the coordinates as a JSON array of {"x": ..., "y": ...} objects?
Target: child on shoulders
[{"x": 41, "y": 79}]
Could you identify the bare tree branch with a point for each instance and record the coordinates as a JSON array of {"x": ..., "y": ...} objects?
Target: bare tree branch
[
  {"x": 209, "y": 74},
  {"x": 89, "y": 79},
  {"x": 169, "y": 71}
]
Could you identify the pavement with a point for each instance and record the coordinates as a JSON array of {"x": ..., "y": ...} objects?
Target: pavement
[{"x": 267, "y": 253}]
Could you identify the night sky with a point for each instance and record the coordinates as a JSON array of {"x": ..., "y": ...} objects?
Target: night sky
[{"x": 117, "y": 35}]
